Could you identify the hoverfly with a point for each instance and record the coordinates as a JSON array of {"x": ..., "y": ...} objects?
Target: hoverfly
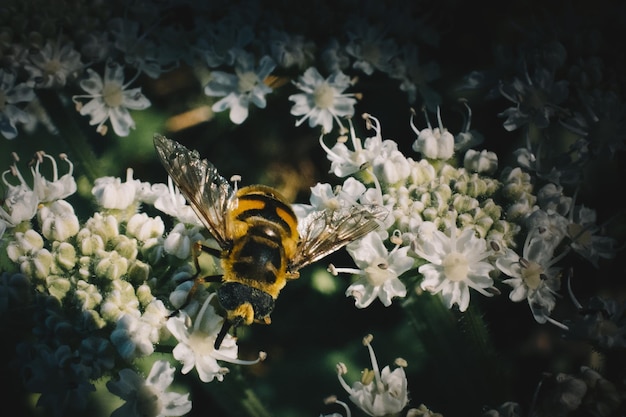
[{"x": 262, "y": 245}]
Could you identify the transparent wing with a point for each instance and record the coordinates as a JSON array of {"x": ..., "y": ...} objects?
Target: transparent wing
[
  {"x": 323, "y": 232},
  {"x": 208, "y": 193}
]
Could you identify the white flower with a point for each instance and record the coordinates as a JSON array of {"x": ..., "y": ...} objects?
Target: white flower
[
  {"x": 112, "y": 193},
  {"x": 242, "y": 88},
  {"x": 52, "y": 65},
  {"x": 28, "y": 251},
  {"x": 322, "y": 100},
  {"x": 533, "y": 277},
  {"x": 369, "y": 47},
  {"x": 120, "y": 301},
  {"x": 584, "y": 233},
  {"x": 58, "y": 188},
  {"x": 149, "y": 397},
  {"x": 180, "y": 240},
  {"x": 110, "y": 99},
  {"x": 135, "y": 336},
  {"x": 195, "y": 348},
  {"x": 378, "y": 270},
  {"x": 380, "y": 154},
  {"x": 223, "y": 41},
  {"x": 130, "y": 337},
  {"x": 378, "y": 393},
  {"x": 20, "y": 202},
  {"x": 435, "y": 143},
  {"x": 483, "y": 162},
  {"x": 58, "y": 221},
  {"x": 137, "y": 48},
  {"x": 143, "y": 227},
  {"x": 10, "y": 95},
  {"x": 171, "y": 202},
  {"x": 323, "y": 197},
  {"x": 290, "y": 50},
  {"x": 454, "y": 265}
]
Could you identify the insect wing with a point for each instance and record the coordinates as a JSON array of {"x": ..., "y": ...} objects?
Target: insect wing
[
  {"x": 323, "y": 232},
  {"x": 208, "y": 193}
]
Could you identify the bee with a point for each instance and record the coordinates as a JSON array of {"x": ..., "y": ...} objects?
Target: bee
[{"x": 262, "y": 244}]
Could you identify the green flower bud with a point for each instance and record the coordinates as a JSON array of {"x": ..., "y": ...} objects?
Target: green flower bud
[
  {"x": 111, "y": 265},
  {"x": 138, "y": 271},
  {"x": 58, "y": 221},
  {"x": 58, "y": 286},
  {"x": 89, "y": 243},
  {"x": 124, "y": 246},
  {"x": 88, "y": 295},
  {"x": 64, "y": 255}
]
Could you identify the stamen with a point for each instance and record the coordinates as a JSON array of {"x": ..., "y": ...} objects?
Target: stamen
[
  {"x": 262, "y": 356},
  {"x": 355, "y": 142},
  {"x": 557, "y": 323},
  {"x": 327, "y": 149},
  {"x": 235, "y": 179},
  {"x": 439, "y": 118},
  {"x": 367, "y": 340},
  {"x": 570, "y": 273},
  {"x": 342, "y": 370},
  {"x": 401, "y": 362},
  {"x": 426, "y": 117},
  {"x": 63, "y": 157}
]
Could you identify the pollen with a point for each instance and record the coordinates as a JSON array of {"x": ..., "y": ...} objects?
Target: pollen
[
  {"x": 112, "y": 94},
  {"x": 455, "y": 266},
  {"x": 324, "y": 96},
  {"x": 247, "y": 82}
]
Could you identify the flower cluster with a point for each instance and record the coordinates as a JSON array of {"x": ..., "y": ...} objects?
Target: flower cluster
[
  {"x": 100, "y": 291},
  {"x": 499, "y": 249}
]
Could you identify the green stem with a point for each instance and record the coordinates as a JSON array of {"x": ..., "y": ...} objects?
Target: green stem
[
  {"x": 234, "y": 394},
  {"x": 71, "y": 133},
  {"x": 459, "y": 348}
]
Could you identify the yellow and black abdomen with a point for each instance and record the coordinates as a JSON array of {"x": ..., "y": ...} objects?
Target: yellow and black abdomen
[{"x": 265, "y": 236}]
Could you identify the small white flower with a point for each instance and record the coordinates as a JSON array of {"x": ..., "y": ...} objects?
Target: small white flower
[
  {"x": 533, "y": 277},
  {"x": 139, "y": 49},
  {"x": 323, "y": 197},
  {"x": 223, "y": 41},
  {"x": 110, "y": 99},
  {"x": 290, "y": 50},
  {"x": 58, "y": 221},
  {"x": 120, "y": 300},
  {"x": 381, "y": 154},
  {"x": 149, "y": 397},
  {"x": 483, "y": 162},
  {"x": 454, "y": 265},
  {"x": 171, "y": 202},
  {"x": 435, "y": 143},
  {"x": 368, "y": 45},
  {"x": 180, "y": 240},
  {"x": 143, "y": 227},
  {"x": 378, "y": 271},
  {"x": 130, "y": 337},
  {"x": 112, "y": 193},
  {"x": 11, "y": 95},
  {"x": 242, "y": 88},
  {"x": 28, "y": 251},
  {"x": 52, "y": 65},
  {"x": 195, "y": 348},
  {"x": 378, "y": 393},
  {"x": 58, "y": 188},
  {"x": 322, "y": 101},
  {"x": 20, "y": 202}
]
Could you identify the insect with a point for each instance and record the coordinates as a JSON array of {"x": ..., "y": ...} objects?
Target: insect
[{"x": 262, "y": 244}]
